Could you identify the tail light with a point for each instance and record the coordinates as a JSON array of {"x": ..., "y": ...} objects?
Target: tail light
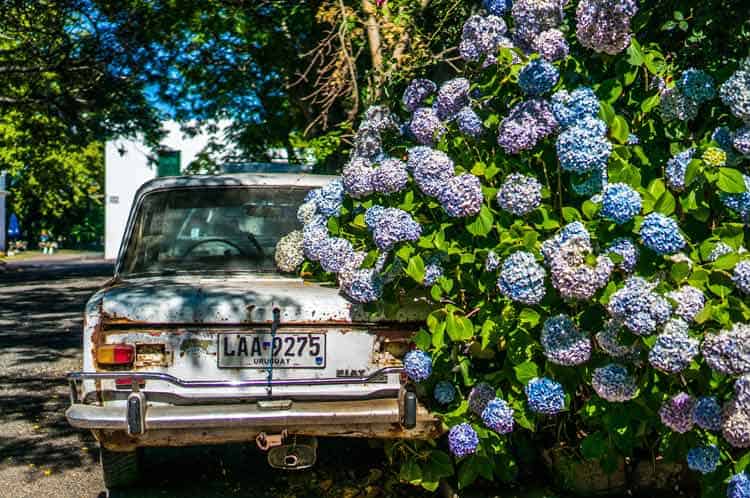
[{"x": 115, "y": 354}]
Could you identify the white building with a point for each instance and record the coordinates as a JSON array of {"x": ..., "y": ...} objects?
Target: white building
[{"x": 127, "y": 166}]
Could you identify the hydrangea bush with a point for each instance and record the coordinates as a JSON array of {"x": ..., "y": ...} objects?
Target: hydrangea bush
[{"x": 574, "y": 209}]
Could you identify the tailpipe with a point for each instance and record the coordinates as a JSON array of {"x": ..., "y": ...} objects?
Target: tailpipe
[{"x": 301, "y": 454}]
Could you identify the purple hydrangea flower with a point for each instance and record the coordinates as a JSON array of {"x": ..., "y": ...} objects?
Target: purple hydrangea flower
[
  {"x": 416, "y": 93},
  {"x": 735, "y": 424},
  {"x": 313, "y": 238},
  {"x": 551, "y": 45},
  {"x": 520, "y": 194},
  {"x": 431, "y": 169},
  {"x": 491, "y": 262},
  {"x": 661, "y": 234},
  {"x": 579, "y": 150},
  {"x": 361, "y": 286},
  {"x": 571, "y": 273},
  {"x": 330, "y": 198},
  {"x": 426, "y": 126},
  {"x": 481, "y": 36},
  {"x": 545, "y": 396},
  {"x": 380, "y": 118},
  {"x": 462, "y": 440},
  {"x": 677, "y": 412},
  {"x": 526, "y": 124},
  {"x": 638, "y": 307},
  {"x": 452, "y": 96},
  {"x": 357, "y": 178},
  {"x": 741, "y": 141},
  {"x": 563, "y": 343},
  {"x": 674, "y": 173},
  {"x": 604, "y": 25},
  {"x": 572, "y": 107},
  {"x": 613, "y": 383},
  {"x": 674, "y": 348},
  {"x": 707, "y": 413},
  {"x": 417, "y": 365},
  {"x": 334, "y": 254},
  {"x": 367, "y": 143},
  {"x": 432, "y": 272},
  {"x": 469, "y": 123},
  {"x": 392, "y": 226},
  {"x": 728, "y": 352},
  {"x": 522, "y": 278},
  {"x": 704, "y": 459},
  {"x": 538, "y": 77},
  {"x": 697, "y": 85},
  {"x": 741, "y": 276},
  {"x": 739, "y": 486},
  {"x": 627, "y": 250},
  {"x": 498, "y": 416},
  {"x": 735, "y": 93},
  {"x": 479, "y": 396},
  {"x": 371, "y": 216},
  {"x": 574, "y": 230},
  {"x": 390, "y": 176},
  {"x": 609, "y": 341},
  {"x": 620, "y": 202},
  {"x": 444, "y": 392},
  {"x": 461, "y": 196},
  {"x": 531, "y": 17},
  {"x": 690, "y": 301}
]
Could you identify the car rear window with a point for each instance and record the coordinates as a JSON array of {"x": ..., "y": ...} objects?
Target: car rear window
[{"x": 205, "y": 229}]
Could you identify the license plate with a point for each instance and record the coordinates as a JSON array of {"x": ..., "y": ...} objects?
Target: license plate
[{"x": 285, "y": 350}]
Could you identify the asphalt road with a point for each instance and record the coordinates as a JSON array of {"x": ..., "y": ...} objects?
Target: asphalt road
[{"x": 42, "y": 456}]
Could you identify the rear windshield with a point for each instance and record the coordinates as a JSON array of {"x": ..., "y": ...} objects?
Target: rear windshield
[{"x": 205, "y": 229}]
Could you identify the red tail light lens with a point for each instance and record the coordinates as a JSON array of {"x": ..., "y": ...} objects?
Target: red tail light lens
[{"x": 115, "y": 354}]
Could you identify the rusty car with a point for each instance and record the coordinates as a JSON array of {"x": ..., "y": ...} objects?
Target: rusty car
[{"x": 199, "y": 339}]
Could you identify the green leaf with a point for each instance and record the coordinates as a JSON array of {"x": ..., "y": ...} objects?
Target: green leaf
[
  {"x": 423, "y": 339},
  {"x": 410, "y": 472},
  {"x": 570, "y": 214},
  {"x": 635, "y": 54},
  {"x": 590, "y": 209},
  {"x": 680, "y": 271},
  {"x": 693, "y": 170},
  {"x": 665, "y": 204},
  {"x": 649, "y": 103},
  {"x": 526, "y": 371},
  {"x": 415, "y": 268},
  {"x": 482, "y": 223},
  {"x": 607, "y": 112},
  {"x": 594, "y": 446},
  {"x": 731, "y": 181},
  {"x": 467, "y": 473},
  {"x": 529, "y": 316},
  {"x": 459, "y": 328},
  {"x": 619, "y": 129}
]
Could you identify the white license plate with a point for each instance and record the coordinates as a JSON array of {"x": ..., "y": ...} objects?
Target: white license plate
[{"x": 259, "y": 349}]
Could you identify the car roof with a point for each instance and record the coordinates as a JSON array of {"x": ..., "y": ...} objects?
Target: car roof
[{"x": 303, "y": 180}]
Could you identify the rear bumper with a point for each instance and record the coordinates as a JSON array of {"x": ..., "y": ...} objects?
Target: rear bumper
[{"x": 211, "y": 424}]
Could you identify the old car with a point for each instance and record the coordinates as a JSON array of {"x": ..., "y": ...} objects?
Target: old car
[{"x": 199, "y": 339}]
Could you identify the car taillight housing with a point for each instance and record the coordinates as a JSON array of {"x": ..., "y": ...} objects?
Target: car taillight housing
[{"x": 115, "y": 355}]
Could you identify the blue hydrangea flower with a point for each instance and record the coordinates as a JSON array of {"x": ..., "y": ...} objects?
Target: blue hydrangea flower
[
  {"x": 498, "y": 416},
  {"x": 704, "y": 459},
  {"x": 416, "y": 93},
  {"x": 719, "y": 250},
  {"x": 741, "y": 141},
  {"x": 469, "y": 123},
  {"x": 307, "y": 212},
  {"x": 574, "y": 230},
  {"x": 707, "y": 413},
  {"x": 371, "y": 216},
  {"x": 537, "y": 77},
  {"x": 425, "y": 126},
  {"x": 609, "y": 341},
  {"x": 690, "y": 301},
  {"x": 739, "y": 486},
  {"x": 462, "y": 440},
  {"x": 497, "y": 7},
  {"x": 579, "y": 150},
  {"x": 570, "y": 108},
  {"x": 392, "y": 226},
  {"x": 614, "y": 383},
  {"x": 431, "y": 169},
  {"x": 461, "y": 196},
  {"x": 723, "y": 136},
  {"x": 444, "y": 392},
  {"x": 481, "y": 36},
  {"x": 735, "y": 93},
  {"x": 633, "y": 139},
  {"x": 620, "y": 203},
  {"x": 674, "y": 348},
  {"x": 313, "y": 238},
  {"x": 675, "y": 106},
  {"x": 627, "y": 250},
  {"x": 674, "y": 172},
  {"x": 452, "y": 96},
  {"x": 589, "y": 183},
  {"x": 728, "y": 352},
  {"x": 551, "y": 45},
  {"x": 739, "y": 203},
  {"x": 519, "y": 194},
  {"x": 367, "y": 142},
  {"x": 362, "y": 286},
  {"x": 417, "y": 365},
  {"x": 638, "y": 307},
  {"x": 330, "y": 198},
  {"x": 479, "y": 396},
  {"x": 677, "y": 412},
  {"x": 380, "y": 118},
  {"x": 522, "y": 278},
  {"x": 357, "y": 178},
  {"x": 563, "y": 343},
  {"x": 545, "y": 396},
  {"x": 697, "y": 85},
  {"x": 432, "y": 272},
  {"x": 661, "y": 234},
  {"x": 527, "y": 123},
  {"x": 390, "y": 176},
  {"x": 334, "y": 254},
  {"x": 491, "y": 262},
  {"x": 604, "y": 26},
  {"x": 741, "y": 276}
]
